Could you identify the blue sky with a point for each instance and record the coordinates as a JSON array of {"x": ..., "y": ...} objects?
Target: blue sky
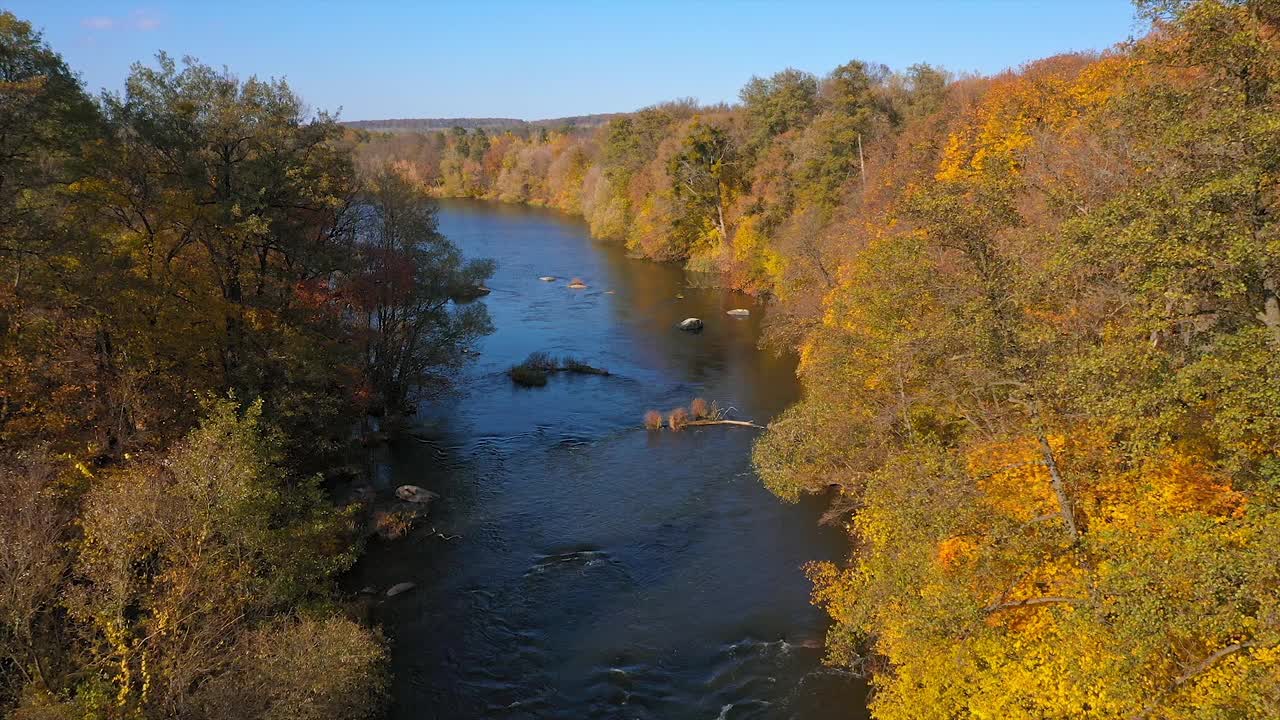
[{"x": 545, "y": 58}]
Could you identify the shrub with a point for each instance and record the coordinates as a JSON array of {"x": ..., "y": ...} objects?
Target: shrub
[
  {"x": 576, "y": 365},
  {"x": 540, "y": 361},
  {"x": 653, "y": 420},
  {"x": 698, "y": 409},
  {"x": 678, "y": 419},
  {"x": 526, "y": 376},
  {"x": 309, "y": 668},
  {"x": 393, "y": 525}
]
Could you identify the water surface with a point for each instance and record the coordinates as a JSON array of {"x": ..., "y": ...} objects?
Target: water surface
[{"x": 602, "y": 571}]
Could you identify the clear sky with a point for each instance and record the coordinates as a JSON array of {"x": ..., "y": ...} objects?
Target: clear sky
[{"x": 543, "y": 58}]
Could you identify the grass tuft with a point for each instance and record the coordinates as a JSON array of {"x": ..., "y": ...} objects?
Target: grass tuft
[
  {"x": 653, "y": 420},
  {"x": 677, "y": 419}
]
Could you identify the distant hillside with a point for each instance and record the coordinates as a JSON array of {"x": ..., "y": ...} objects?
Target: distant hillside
[{"x": 430, "y": 124}]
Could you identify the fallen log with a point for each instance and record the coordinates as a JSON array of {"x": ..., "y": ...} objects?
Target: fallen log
[{"x": 741, "y": 423}]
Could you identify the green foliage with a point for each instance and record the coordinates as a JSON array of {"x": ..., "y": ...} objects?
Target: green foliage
[
  {"x": 785, "y": 101},
  {"x": 706, "y": 175},
  {"x": 413, "y": 333},
  {"x": 184, "y": 557}
]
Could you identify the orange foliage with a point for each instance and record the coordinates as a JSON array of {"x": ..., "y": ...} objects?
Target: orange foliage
[
  {"x": 698, "y": 408},
  {"x": 1013, "y": 477},
  {"x": 953, "y": 551}
]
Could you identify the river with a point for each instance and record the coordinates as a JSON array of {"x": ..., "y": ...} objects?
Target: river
[{"x": 601, "y": 570}]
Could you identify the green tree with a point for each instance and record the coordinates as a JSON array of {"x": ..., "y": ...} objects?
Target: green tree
[
  {"x": 409, "y": 275},
  {"x": 706, "y": 175},
  {"x": 781, "y": 102}
]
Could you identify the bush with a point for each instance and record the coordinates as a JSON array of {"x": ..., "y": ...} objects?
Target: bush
[
  {"x": 540, "y": 361},
  {"x": 528, "y": 376},
  {"x": 653, "y": 420},
  {"x": 309, "y": 668},
  {"x": 678, "y": 419},
  {"x": 575, "y": 365},
  {"x": 393, "y": 525},
  {"x": 698, "y": 409}
]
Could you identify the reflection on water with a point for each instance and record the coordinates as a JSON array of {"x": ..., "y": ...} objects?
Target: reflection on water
[{"x": 602, "y": 570}]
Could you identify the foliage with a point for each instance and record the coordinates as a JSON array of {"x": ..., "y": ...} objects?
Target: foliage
[
  {"x": 1041, "y": 388},
  {"x": 535, "y": 369},
  {"x": 528, "y": 376},
  {"x": 722, "y": 189},
  {"x": 402, "y": 294},
  {"x": 198, "y": 236}
]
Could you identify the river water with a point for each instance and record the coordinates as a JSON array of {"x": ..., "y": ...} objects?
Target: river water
[{"x": 601, "y": 570}]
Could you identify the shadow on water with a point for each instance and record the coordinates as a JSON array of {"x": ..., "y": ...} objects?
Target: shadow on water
[{"x": 602, "y": 570}]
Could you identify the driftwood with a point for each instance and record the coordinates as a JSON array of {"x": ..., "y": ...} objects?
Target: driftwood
[
  {"x": 742, "y": 423},
  {"x": 699, "y": 412}
]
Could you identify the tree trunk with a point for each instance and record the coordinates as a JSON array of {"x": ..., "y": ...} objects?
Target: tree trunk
[
  {"x": 1270, "y": 313},
  {"x": 1059, "y": 488}
]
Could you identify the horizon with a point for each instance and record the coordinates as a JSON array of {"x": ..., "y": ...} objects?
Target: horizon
[{"x": 575, "y": 59}]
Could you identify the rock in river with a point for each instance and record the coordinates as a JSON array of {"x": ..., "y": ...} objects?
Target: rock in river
[
  {"x": 738, "y": 312},
  {"x": 577, "y": 285},
  {"x": 691, "y": 325},
  {"x": 403, "y": 587},
  {"x": 415, "y": 494},
  {"x": 548, "y": 278}
]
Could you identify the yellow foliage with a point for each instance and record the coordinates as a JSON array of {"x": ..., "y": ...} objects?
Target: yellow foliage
[
  {"x": 1013, "y": 477},
  {"x": 1016, "y": 106}
]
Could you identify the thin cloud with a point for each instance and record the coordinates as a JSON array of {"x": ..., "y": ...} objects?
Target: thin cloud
[
  {"x": 139, "y": 20},
  {"x": 144, "y": 21}
]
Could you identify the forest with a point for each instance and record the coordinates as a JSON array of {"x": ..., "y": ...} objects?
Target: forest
[
  {"x": 200, "y": 293},
  {"x": 1039, "y": 328},
  {"x": 1037, "y": 316}
]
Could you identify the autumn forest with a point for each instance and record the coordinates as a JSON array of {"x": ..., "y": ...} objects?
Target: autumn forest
[{"x": 1037, "y": 316}]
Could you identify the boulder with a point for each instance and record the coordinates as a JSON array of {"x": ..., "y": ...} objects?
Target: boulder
[
  {"x": 577, "y": 285},
  {"x": 548, "y": 278},
  {"x": 399, "y": 588},
  {"x": 691, "y": 325},
  {"x": 738, "y": 312},
  {"x": 415, "y": 494}
]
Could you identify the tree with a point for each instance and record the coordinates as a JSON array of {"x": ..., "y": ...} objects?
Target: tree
[
  {"x": 781, "y": 102},
  {"x": 403, "y": 293},
  {"x": 45, "y": 119},
  {"x": 706, "y": 174},
  {"x": 1043, "y": 388},
  {"x": 181, "y": 559},
  {"x": 226, "y": 199}
]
